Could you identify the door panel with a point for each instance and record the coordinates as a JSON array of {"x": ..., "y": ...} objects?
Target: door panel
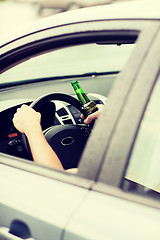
[
  {"x": 103, "y": 216},
  {"x": 43, "y": 204}
]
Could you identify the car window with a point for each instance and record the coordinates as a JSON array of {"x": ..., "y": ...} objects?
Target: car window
[
  {"x": 144, "y": 164},
  {"x": 95, "y": 66},
  {"x": 76, "y": 60}
]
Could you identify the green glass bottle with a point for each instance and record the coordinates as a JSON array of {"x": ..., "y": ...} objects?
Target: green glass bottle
[{"x": 88, "y": 107}]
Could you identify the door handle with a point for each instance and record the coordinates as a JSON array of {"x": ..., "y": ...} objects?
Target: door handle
[{"x": 6, "y": 235}]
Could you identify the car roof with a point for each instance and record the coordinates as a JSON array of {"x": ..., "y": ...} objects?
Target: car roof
[{"x": 136, "y": 9}]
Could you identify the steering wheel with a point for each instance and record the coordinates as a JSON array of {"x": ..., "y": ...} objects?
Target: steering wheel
[{"x": 67, "y": 141}]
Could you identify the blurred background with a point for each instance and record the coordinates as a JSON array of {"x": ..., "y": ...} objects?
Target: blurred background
[{"x": 14, "y": 14}]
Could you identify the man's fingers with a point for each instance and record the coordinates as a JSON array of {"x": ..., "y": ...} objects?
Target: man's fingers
[{"x": 90, "y": 118}]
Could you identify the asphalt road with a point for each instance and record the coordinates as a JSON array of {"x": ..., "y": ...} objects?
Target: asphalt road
[{"x": 15, "y": 15}]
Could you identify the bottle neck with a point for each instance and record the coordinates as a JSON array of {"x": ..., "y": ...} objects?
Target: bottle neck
[{"x": 82, "y": 97}]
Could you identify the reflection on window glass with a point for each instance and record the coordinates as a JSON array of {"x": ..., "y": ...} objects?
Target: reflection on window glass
[
  {"x": 144, "y": 164},
  {"x": 74, "y": 60}
]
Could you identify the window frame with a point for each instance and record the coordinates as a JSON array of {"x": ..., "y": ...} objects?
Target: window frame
[
  {"x": 124, "y": 136},
  {"x": 50, "y": 36}
]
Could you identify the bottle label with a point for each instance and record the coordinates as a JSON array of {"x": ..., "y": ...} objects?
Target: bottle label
[{"x": 89, "y": 108}]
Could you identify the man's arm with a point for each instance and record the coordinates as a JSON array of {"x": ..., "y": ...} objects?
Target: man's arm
[{"x": 27, "y": 121}]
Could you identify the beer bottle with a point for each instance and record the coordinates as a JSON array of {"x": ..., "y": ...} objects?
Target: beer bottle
[{"x": 88, "y": 107}]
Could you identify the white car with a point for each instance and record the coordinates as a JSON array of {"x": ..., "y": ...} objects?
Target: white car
[
  {"x": 65, "y": 5},
  {"x": 113, "y": 51}
]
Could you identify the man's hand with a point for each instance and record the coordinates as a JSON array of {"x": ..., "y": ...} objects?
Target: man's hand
[
  {"x": 95, "y": 115},
  {"x": 26, "y": 119}
]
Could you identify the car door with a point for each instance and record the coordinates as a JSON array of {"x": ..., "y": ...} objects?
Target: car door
[
  {"x": 122, "y": 203},
  {"x": 35, "y": 202},
  {"x": 42, "y": 201}
]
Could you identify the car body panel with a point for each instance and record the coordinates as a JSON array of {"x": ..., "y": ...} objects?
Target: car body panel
[
  {"x": 108, "y": 12},
  {"x": 18, "y": 201},
  {"x": 60, "y": 205},
  {"x": 119, "y": 220}
]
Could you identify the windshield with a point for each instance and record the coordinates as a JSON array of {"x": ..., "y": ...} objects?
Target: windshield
[{"x": 70, "y": 61}]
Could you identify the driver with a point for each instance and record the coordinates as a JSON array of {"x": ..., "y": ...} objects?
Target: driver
[{"x": 26, "y": 120}]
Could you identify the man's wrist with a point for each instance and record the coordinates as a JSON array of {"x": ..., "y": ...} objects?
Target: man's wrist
[{"x": 33, "y": 131}]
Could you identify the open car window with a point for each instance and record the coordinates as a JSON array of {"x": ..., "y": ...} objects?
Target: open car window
[{"x": 95, "y": 66}]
